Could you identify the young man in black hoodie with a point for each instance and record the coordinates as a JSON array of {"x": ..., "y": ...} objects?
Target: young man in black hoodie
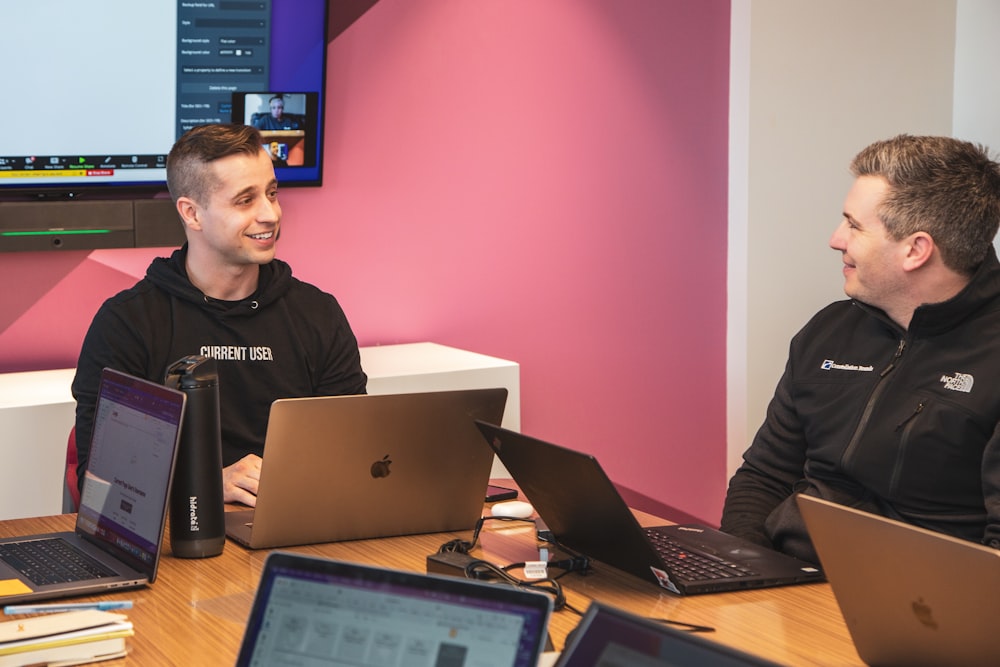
[
  {"x": 888, "y": 402},
  {"x": 224, "y": 295}
]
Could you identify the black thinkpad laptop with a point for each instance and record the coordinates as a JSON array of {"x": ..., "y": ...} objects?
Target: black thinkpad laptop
[
  {"x": 119, "y": 528},
  {"x": 585, "y": 513}
]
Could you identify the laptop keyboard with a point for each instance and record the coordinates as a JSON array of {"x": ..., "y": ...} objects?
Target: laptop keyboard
[
  {"x": 52, "y": 561},
  {"x": 690, "y": 565}
]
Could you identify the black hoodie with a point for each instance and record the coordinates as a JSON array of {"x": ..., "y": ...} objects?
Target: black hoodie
[{"x": 288, "y": 339}]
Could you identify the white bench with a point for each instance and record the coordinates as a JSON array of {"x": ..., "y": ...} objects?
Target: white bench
[{"x": 37, "y": 412}]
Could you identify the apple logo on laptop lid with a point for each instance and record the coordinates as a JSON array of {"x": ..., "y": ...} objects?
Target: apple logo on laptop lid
[
  {"x": 924, "y": 614},
  {"x": 381, "y": 467}
]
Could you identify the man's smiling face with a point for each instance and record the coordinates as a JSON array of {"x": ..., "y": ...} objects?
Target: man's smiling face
[{"x": 240, "y": 216}]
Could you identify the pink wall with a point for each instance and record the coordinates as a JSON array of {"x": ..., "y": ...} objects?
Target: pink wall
[{"x": 543, "y": 182}]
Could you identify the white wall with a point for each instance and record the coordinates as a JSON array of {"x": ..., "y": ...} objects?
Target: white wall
[
  {"x": 737, "y": 320},
  {"x": 977, "y": 95},
  {"x": 823, "y": 79},
  {"x": 977, "y": 53}
]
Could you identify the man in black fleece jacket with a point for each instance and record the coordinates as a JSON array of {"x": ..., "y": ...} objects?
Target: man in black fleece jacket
[
  {"x": 224, "y": 295},
  {"x": 887, "y": 401}
]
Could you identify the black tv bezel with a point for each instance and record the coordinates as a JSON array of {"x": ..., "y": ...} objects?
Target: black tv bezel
[{"x": 142, "y": 191}]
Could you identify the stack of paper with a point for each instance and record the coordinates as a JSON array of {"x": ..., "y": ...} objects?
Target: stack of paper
[{"x": 68, "y": 638}]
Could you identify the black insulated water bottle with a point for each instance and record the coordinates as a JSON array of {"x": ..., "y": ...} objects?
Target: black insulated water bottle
[{"x": 197, "y": 512}]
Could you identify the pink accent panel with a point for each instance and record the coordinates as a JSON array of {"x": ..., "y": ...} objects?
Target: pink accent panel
[
  {"x": 49, "y": 333},
  {"x": 543, "y": 182},
  {"x": 132, "y": 262},
  {"x": 547, "y": 186},
  {"x": 25, "y": 277}
]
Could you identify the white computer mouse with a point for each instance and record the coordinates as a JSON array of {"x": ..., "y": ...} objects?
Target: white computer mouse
[{"x": 515, "y": 509}]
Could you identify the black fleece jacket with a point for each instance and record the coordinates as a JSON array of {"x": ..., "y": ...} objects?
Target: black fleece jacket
[
  {"x": 905, "y": 424},
  {"x": 289, "y": 339}
]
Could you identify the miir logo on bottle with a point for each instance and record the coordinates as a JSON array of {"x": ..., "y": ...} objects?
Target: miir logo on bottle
[{"x": 193, "y": 514}]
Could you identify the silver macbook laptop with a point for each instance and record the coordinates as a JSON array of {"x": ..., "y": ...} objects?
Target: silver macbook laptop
[
  {"x": 119, "y": 527},
  {"x": 357, "y": 467},
  {"x": 312, "y": 611},
  {"x": 909, "y": 596},
  {"x": 610, "y": 637},
  {"x": 585, "y": 513}
]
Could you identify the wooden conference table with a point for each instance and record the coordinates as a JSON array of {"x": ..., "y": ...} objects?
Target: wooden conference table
[{"x": 195, "y": 612}]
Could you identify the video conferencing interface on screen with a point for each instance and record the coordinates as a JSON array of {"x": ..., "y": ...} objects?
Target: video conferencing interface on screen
[{"x": 99, "y": 90}]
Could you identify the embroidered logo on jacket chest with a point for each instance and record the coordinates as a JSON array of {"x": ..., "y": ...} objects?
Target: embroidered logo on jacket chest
[
  {"x": 958, "y": 382},
  {"x": 831, "y": 365}
]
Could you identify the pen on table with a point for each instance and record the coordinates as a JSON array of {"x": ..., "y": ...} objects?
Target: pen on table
[{"x": 72, "y": 606}]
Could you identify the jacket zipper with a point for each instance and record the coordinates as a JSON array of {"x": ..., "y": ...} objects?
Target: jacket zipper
[
  {"x": 904, "y": 439},
  {"x": 916, "y": 411},
  {"x": 872, "y": 400}
]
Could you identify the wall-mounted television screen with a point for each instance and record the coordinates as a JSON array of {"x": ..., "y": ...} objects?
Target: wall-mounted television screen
[{"x": 97, "y": 91}]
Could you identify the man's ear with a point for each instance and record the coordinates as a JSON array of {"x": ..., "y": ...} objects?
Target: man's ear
[
  {"x": 189, "y": 213},
  {"x": 919, "y": 250}
]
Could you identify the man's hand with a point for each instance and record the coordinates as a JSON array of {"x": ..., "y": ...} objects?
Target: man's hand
[{"x": 239, "y": 481}]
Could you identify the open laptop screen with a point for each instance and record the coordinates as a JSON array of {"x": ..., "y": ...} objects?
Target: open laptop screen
[
  {"x": 124, "y": 499},
  {"x": 609, "y": 637},
  {"x": 318, "y": 611}
]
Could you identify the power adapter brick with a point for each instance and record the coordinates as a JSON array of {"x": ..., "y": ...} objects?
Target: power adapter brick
[{"x": 452, "y": 563}]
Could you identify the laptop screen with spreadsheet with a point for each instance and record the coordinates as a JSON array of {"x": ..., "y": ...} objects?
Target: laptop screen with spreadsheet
[{"x": 350, "y": 614}]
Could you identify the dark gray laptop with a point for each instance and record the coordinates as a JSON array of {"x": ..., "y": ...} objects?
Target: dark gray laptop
[
  {"x": 585, "y": 513},
  {"x": 119, "y": 527},
  {"x": 358, "y": 467},
  {"x": 312, "y": 611},
  {"x": 610, "y": 637},
  {"x": 910, "y": 596}
]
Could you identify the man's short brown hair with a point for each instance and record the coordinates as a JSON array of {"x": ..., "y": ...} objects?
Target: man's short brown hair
[
  {"x": 187, "y": 175},
  {"x": 939, "y": 185}
]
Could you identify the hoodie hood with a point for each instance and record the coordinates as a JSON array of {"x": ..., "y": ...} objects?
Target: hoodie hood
[{"x": 170, "y": 275}]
